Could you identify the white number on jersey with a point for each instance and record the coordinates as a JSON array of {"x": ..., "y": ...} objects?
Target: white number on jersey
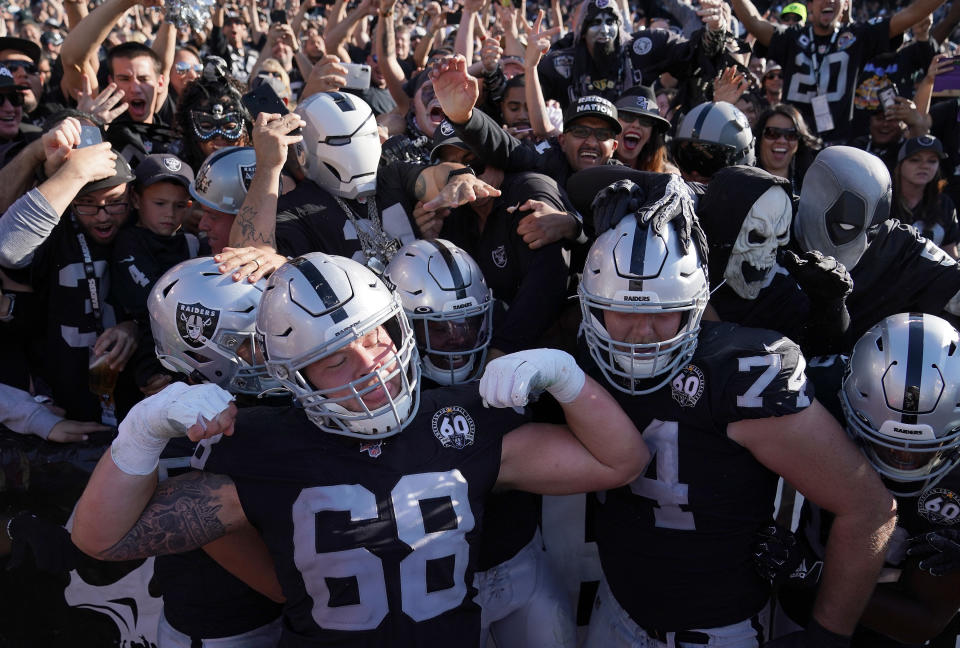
[
  {"x": 773, "y": 363},
  {"x": 666, "y": 489},
  {"x": 832, "y": 82},
  {"x": 361, "y": 564}
]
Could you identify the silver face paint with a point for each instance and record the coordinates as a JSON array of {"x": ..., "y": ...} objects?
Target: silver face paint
[
  {"x": 602, "y": 32},
  {"x": 754, "y": 257}
]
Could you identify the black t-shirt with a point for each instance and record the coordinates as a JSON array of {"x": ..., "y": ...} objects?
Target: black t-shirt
[
  {"x": 374, "y": 543},
  {"x": 886, "y": 152},
  {"x": 839, "y": 60},
  {"x": 939, "y": 225},
  {"x": 10, "y": 148},
  {"x": 532, "y": 283},
  {"x": 309, "y": 219},
  {"x": 135, "y": 141},
  {"x": 676, "y": 545}
]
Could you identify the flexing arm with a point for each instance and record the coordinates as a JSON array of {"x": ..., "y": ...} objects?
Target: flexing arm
[
  {"x": 908, "y": 16},
  {"x": 761, "y": 28},
  {"x": 600, "y": 448},
  {"x": 812, "y": 452}
]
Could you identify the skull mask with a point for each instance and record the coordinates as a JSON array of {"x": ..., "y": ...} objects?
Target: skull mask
[{"x": 754, "y": 255}]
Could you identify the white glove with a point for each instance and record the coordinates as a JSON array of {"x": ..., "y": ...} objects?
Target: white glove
[
  {"x": 144, "y": 433},
  {"x": 510, "y": 380}
]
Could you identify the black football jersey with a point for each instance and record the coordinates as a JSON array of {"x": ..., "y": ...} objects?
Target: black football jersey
[
  {"x": 827, "y": 65},
  {"x": 676, "y": 544},
  {"x": 373, "y": 542}
]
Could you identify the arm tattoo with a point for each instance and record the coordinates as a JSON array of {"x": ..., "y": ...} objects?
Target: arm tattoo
[
  {"x": 182, "y": 515},
  {"x": 248, "y": 229},
  {"x": 420, "y": 188}
]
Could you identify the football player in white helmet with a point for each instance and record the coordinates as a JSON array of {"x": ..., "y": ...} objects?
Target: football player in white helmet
[
  {"x": 724, "y": 410},
  {"x": 370, "y": 528},
  {"x": 900, "y": 400}
]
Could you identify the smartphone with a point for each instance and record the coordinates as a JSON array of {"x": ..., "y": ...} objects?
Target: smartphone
[
  {"x": 358, "y": 76},
  {"x": 949, "y": 81},
  {"x": 887, "y": 95},
  {"x": 264, "y": 99},
  {"x": 455, "y": 17},
  {"x": 89, "y": 135},
  {"x": 278, "y": 16}
]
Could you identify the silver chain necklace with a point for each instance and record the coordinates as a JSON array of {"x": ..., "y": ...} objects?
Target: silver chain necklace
[{"x": 377, "y": 246}]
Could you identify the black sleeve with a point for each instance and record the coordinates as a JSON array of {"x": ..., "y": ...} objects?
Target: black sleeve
[
  {"x": 295, "y": 236},
  {"x": 948, "y": 219},
  {"x": 218, "y": 43},
  {"x": 496, "y": 146},
  {"x": 133, "y": 270},
  {"x": 543, "y": 274}
]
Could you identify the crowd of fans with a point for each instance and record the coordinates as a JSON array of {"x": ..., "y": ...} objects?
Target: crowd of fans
[{"x": 803, "y": 160}]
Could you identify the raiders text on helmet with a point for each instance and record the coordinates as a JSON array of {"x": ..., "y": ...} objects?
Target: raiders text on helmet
[
  {"x": 315, "y": 306},
  {"x": 633, "y": 269},
  {"x": 447, "y": 300},
  {"x": 901, "y": 398}
]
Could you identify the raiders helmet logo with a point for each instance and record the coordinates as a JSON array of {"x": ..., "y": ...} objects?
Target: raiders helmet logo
[
  {"x": 446, "y": 128},
  {"x": 246, "y": 174},
  {"x": 172, "y": 163},
  {"x": 642, "y": 45},
  {"x": 453, "y": 427},
  {"x": 845, "y": 40},
  {"x": 196, "y": 323},
  {"x": 563, "y": 64},
  {"x": 500, "y": 256}
]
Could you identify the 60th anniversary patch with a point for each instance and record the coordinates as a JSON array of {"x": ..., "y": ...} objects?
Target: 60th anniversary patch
[{"x": 453, "y": 427}]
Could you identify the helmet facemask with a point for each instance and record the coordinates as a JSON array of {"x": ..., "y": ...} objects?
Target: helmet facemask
[{"x": 453, "y": 345}]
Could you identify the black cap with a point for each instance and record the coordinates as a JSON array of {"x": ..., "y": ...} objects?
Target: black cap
[
  {"x": 163, "y": 166},
  {"x": 641, "y": 100},
  {"x": 7, "y": 82},
  {"x": 51, "y": 37},
  {"x": 592, "y": 106},
  {"x": 917, "y": 144},
  {"x": 122, "y": 175},
  {"x": 21, "y": 45},
  {"x": 444, "y": 135}
]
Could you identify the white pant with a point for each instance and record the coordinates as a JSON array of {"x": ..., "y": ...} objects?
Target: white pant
[
  {"x": 612, "y": 627},
  {"x": 522, "y": 603},
  {"x": 262, "y": 637}
]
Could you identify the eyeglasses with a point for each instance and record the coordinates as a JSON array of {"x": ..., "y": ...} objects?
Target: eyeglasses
[
  {"x": 208, "y": 125},
  {"x": 773, "y": 75},
  {"x": 773, "y": 133},
  {"x": 114, "y": 209},
  {"x": 15, "y": 98},
  {"x": 584, "y": 132},
  {"x": 182, "y": 67},
  {"x": 791, "y": 18},
  {"x": 27, "y": 66}
]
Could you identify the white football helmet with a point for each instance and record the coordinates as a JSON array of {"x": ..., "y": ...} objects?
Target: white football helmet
[
  {"x": 901, "y": 398},
  {"x": 342, "y": 143},
  {"x": 224, "y": 177},
  {"x": 315, "y": 306},
  {"x": 203, "y": 326},
  {"x": 633, "y": 269},
  {"x": 447, "y": 300}
]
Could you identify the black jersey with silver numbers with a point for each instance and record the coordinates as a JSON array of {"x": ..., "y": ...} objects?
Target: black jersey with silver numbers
[
  {"x": 373, "y": 542},
  {"x": 827, "y": 65},
  {"x": 676, "y": 544}
]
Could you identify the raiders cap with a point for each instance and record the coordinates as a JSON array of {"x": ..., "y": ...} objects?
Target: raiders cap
[
  {"x": 592, "y": 106},
  {"x": 163, "y": 166}
]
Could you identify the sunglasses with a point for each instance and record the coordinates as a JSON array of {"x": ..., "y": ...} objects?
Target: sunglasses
[
  {"x": 15, "y": 98},
  {"x": 206, "y": 125},
  {"x": 773, "y": 133},
  {"x": 584, "y": 132},
  {"x": 182, "y": 67},
  {"x": 629, "y": 118},
  {"x": 27, "y": 66},
  {"x": 773, "y": 75},
  {"x": 790, "y": 19}
]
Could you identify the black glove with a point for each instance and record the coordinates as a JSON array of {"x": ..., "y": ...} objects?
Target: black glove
[
  {"x": 53, "y": 551},
  {"x": 669, "y": 201},
  {"x": 780, "y": 559},
  {"x": 938, "y": 551},
  {"x": 613, "y": 203},
  {"x": 822, "y": 278},
  {"x": 814, "y": 636}
]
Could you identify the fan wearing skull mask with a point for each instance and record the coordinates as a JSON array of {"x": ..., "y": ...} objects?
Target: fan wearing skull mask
[
  {"x": 746, "y": 215},
  {"x": 844, "y": 212}
]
